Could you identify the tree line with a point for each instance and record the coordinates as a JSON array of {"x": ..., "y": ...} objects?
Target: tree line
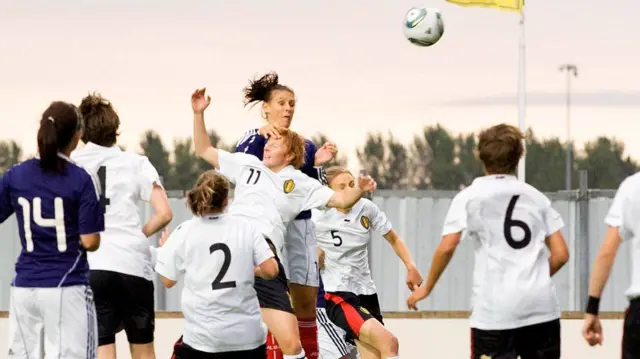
[{"x": 436, "y": 158}]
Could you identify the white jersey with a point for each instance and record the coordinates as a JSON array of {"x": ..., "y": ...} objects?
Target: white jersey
[
  {"x": 126, "y": 178},
  {"x": 217, "y": 255},
  {"x": 271, "y": 200},
  {"x": 509, "y": 221},
  {"x": 345, "y": 239},
  {"x": 624, "y": 214}
]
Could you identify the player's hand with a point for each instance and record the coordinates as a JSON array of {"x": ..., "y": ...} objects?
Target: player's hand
[
  {"x": 414, "y": 279},
  {"x": 199, "y": 102},
  {"x": 366, "y": 183},
  {"x": 592, "y": 330},
  {"x": 163, "y": 237},
  {"x": 417, "y": 295},
  {"x": 268, "y": 131},
  {"x": 320, "y": 258},
  {"x": 325, "y": 154}
]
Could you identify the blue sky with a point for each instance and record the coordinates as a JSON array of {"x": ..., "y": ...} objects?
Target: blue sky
[{"x": 348, "y": 62}]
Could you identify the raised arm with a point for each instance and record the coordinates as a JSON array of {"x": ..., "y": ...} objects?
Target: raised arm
[
  {"x": 351, "y": 195},
  {"x": 201, "y": 140}
]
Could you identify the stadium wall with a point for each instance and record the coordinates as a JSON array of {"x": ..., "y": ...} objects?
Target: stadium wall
[
  {"x": 437, "y": 337},
  {"x": 418, "y": 217}
]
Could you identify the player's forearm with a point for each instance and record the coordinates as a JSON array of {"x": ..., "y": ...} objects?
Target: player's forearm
[
  {"x": 600, "y": 274},
  {"x": 401, "y": 250},
  {"x": 555, "y": 264},
  {"x": 201, "y": 139},
  {"x": 439, "y": 263},
  {"x": 155, "y": 224},
  {"x": 345, "y": 199}
]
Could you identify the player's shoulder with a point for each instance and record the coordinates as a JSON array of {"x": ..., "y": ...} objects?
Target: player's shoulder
[
  {"x": 309, "y": 145},
  {"x": 366, "y": 205},
  {"x": 630, "y": 183},
  {"x": 241, "y": 157}
]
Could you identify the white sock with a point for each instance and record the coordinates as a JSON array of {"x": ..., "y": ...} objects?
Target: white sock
[{"x": 302, "y": 355}]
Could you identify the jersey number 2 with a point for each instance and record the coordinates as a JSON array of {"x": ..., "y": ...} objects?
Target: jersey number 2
[
  {"x": 56, "y": 222},
  {"x": 102, "y": 177},
  {"x": 218, "y": 283},
  {"x": 509, "y": 223}
]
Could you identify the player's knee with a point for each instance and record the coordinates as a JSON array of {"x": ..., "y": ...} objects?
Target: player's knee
[
  {"x": 290, "y": 345},
  {"x": 389, "y": 345}
]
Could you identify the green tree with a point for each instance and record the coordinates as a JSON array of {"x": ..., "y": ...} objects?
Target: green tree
[
  {"x": 158, "y": 155},
  {"x": 606, "y": 164},
  {"x": 386, "y": 160},
  {"x": 320, "y": 139},
  {"x": 185, "y": 165},
  {"x": 434, "y": 160},
  {"x": 10, "y": 154},
  {"x": 545, "y": 165},
  {"x": 468, "y": 162}
]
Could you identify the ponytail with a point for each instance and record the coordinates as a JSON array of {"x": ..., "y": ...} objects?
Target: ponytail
[
  {"x": 261, "y": 89},
  {"x": 48, "y": 146},
  {"x": 58, "y": 127}
]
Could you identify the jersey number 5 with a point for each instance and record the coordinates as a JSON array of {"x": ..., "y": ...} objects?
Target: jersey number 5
[
  {"x": 509, "y": 223},
  {"x": 102, "y": 177},
  {"x": 57, "y": 222},
  {"x": 218, "y": 283},
  {"x": 338, "y": 239}
]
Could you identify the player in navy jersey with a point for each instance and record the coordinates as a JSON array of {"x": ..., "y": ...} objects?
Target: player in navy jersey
[
  {"x": 60, "y": 218},
  {"x": 302, "y": 270}
]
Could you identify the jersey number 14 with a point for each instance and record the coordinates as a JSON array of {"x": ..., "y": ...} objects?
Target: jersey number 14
[{"x": 56, "y": 222}]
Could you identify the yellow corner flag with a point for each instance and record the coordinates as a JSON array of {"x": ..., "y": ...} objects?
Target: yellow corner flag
[{"x": 507, "y": 5}]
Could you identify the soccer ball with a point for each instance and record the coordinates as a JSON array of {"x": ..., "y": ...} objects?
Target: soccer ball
[{"x": 423, "y": 26}]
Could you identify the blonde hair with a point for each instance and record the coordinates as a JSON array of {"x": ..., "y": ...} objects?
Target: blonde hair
[
  {"x": 209, "y": 194},
  {"x": 334, "y": 171}
]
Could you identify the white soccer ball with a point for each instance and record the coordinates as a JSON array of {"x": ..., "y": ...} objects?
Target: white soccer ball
[{"x": 423, "y": 26}]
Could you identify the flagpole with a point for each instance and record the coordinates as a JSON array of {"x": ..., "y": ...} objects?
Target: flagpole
[{"x": 522, "y": 99}]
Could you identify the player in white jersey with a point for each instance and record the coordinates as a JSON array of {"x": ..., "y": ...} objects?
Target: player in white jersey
[
  {"x": 217, "y": 255},
  {"x": 271, "y": 193},
  {"x": 515, "y": 311},
  {"x": 351, "y": 298},
  {"x": 623, "y": 224},
  {"x": 122, "y": 270}
]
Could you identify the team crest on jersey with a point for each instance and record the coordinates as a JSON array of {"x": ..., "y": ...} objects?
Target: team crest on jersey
[
  {"x": 364, "y": 221},
  {"x": 365, "y": 311},
  {"x": 289, "y": 185},
  {"x": 485, "y": 357}
]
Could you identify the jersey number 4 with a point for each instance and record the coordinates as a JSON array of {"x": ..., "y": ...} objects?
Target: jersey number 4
[
  {"x": 217, "y": 282},
  {"x": 56, "y": 222},
  {"x": 102, "y": 177},
  {"x": 510, "y": 223}
]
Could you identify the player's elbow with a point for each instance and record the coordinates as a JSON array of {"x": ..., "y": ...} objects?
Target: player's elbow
[
  {"x": 338, "y": 200},
  {"x": 165, "y": 215},
  {"x": 269, "y": 269},
  {"x": 90, "y": 242},
  {"x": 558, "y": 248}
]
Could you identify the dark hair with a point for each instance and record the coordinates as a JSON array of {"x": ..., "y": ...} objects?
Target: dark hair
[
  {"x": 262, "y": 88},
  {"x": 500, "y": 149},
  {"x": 59, "y": 124},
  {"x": 101, "y": 121},
  {"x": 209, "y": 194}
]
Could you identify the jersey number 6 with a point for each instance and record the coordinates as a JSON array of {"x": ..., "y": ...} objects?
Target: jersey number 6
[
  {"x": 509, "y": 223},
  {"x": 218, "y": 283}
]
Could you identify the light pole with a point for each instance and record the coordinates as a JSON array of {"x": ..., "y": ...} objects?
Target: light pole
[{"x": 572, "y": 71}]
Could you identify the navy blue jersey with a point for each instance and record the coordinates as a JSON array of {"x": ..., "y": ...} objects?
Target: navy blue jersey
[
  {"x": 52, "y": 211},
  {"x": 320, "y": 302},
  {"x": 253, "y": 143}
]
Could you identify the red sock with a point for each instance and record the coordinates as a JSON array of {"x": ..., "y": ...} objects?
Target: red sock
[
  {"x": 309, "y": 336},
  {"x": 273, "y": 349}
]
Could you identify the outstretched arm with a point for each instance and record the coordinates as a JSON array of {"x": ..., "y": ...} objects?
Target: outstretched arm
[{"x": 201, "y": 140}]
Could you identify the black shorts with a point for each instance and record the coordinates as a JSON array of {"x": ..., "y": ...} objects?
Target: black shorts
[
  {"x": 538, "y": 341},
  {"x": 184, "y": 351},
  {"x": 123, "y": 302},
  {"x": 349, "y": 311},
  {"x": 631, "y": 331},
  {"x": 274, "y": 293}
]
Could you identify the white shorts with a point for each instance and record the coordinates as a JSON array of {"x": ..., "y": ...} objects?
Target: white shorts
[
  {"x": 331, "y": 343},
  {"x": 302, "y": 253},
  {"x": 52, "y": 323}
]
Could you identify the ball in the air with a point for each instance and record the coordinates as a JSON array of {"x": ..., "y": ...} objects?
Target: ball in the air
[{"x": 423, "y": 26}]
